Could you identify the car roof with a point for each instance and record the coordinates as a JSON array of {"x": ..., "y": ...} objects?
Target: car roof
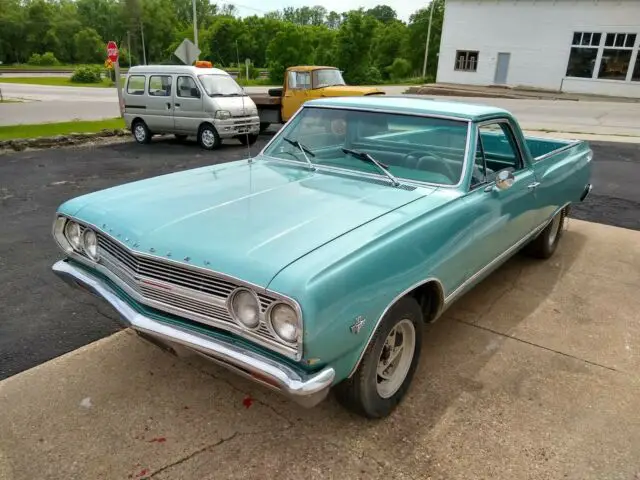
[
  {"x": 412, "y": 104},
  {"x": 176, "y": 69}
]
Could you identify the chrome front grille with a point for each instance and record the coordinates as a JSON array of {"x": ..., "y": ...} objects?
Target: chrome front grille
[{"x": 183, "y": 291}]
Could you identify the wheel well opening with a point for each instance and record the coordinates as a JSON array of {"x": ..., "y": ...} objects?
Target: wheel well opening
[{"x": 430, "y": 297}]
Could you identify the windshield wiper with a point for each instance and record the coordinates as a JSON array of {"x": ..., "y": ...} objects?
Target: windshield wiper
[
  {"x": 368, "y": 158},
  {"x": 303, "y": 149}
]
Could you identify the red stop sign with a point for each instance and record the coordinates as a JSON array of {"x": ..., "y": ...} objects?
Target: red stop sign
[{"x": 112, "y": 51}]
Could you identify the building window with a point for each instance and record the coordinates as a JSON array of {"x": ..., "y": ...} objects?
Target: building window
[
  {"x": 584, "y": 51},
  {"x": 636, "y": 71},
  {"x": 466, "y": 61},
  {"x": 616, "y": 56}
]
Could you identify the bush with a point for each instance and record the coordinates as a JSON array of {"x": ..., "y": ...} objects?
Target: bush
[
  {"x": 374, "y": 75},
  {"x": 34, "y": 59},
  {"x": 49, "y": 59},
  {"x": 46, "y": 60},
  {"x": 399, "y": 69},
  {"x": 90, "y": 74}
]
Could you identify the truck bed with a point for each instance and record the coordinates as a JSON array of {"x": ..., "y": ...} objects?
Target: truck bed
[{"x": 541, "y": 147}]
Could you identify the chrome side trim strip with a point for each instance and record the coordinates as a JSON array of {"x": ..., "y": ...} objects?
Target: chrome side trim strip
[
  {"x": 391, "y": 304},
  {"x": 308, "y": 390},
  {"x": 558, "y": 150},
  {"x": 502, "y": 257}
]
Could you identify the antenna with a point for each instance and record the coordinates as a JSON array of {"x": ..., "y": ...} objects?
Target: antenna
[{"x": 244, "y": 112}]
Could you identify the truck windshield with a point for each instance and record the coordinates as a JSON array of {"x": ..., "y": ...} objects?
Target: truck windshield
[
  {"x": 418, "y": 148},
  {"x": 220, "y": 85},
  {"x": 327, "y": 78}
]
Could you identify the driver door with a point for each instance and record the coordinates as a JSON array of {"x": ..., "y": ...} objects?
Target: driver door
[{"x": 296, "y": 92}]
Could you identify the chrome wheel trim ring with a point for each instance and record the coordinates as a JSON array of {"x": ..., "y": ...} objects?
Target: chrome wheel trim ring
[
  {"x": 395, "y": 358},
  {"x": 208, "y": 139},
  {"x": 140, "y": 132}
]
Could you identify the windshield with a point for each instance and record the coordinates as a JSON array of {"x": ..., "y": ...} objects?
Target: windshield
[
  {"x": 220, "y": 85},
  {"x": 327, "y": 77},
  {"x": 424, "y": 149}
]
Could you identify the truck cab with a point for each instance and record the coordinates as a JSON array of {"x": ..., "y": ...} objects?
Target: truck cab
[{"x": 303, "y": 83}]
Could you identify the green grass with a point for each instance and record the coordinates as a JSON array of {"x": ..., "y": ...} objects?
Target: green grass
[
  {"x": 54, "y": 81},
  {"x": 11, "y": 132},
  {"x": 10, "y": 100}
]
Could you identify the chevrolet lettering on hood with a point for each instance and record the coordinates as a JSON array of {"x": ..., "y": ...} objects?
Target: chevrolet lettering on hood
[{"x": 314, "y": 265}]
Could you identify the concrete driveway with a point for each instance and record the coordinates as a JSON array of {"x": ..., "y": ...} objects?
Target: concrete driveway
[{"x": 531, "y": 375}]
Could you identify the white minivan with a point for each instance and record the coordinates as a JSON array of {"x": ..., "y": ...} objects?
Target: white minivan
[{"x": 185, "y": 100}]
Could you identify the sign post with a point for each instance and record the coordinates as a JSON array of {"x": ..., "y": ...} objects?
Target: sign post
[{"x": 113, "y": 54}]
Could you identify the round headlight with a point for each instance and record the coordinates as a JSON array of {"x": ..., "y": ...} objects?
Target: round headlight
[
  {"x": 72, "y": 232},
  {"x": 284, "y": 322},
  {"x": 245, "y": 308},
  {"x": 90, "y": 244}
]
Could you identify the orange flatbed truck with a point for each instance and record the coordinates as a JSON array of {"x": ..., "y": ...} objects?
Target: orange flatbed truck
[{"x": 303, "y": 83}]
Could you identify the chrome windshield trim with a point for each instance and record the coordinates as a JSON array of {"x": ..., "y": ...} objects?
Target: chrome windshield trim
[
  {"x": 306, "y": 389},
  {"x": 320, "y": 167}
]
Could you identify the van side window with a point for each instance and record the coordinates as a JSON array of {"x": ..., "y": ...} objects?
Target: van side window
[
  {"x": 135, "y": 85},
  {"x": 187, "y": 88},
  {"x": 160, "y": 85}
]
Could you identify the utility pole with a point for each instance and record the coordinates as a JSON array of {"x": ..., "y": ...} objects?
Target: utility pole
[
  {"x": 195, "y": 24},
  {"x": 426, "y": 49},
  {"x": 144, "y": 53}
]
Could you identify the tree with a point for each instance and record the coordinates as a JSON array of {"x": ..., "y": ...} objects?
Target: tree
[
  {"x": 388, "y": 44},
  {"x": 383, "y": 13},
  {"x": 222, "y": 37},
  {"x": 333, "y": 20},
  {"x": 288, "y": 48},
  {"x": 89, "y": 47},
  {"x": 353, "y": 44},
  {"x": 416, "y": 41}
]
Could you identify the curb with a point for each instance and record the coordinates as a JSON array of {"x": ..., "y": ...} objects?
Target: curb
[{"x": 20, "y": 144}]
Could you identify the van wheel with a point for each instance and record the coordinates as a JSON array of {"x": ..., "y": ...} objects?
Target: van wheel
[
  {"x": 248, "y": 139},
  {"x": 545, "y": 244},
  {"x": 389, "y": 362},
  {"x": 141, "y": 132},
  {"x": 208, "y": 137}
]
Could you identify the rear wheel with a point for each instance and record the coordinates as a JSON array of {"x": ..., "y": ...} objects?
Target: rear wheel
[
  {"x": 545, "y": 244},
  {"x": 264, "y": 126},
  {"x": 208, "y": 137},
  {"x": 141, "y": 132},
  {"x": 248, "y": 139},
  {"x": 388, "y": 365}
]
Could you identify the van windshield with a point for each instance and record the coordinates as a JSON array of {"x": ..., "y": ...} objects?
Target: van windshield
[{"x": 221, "y": 86}]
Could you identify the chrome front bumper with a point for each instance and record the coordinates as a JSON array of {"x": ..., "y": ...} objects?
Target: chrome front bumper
[
  {"x": 306, "y": 390},
  {"x": 237, "y": 126}
]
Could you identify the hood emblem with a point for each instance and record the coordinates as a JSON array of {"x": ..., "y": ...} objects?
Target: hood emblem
[{"x": 357, "y": 325}]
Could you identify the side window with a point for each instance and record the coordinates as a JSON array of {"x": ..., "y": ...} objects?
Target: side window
[
  {"x": 500, "y": 148},
  {"x": 187, "y": 88},
  {"x": 135, "y": 85},
  {"x": 299, "y": 80},
  {"x": 160, "y": 85}
]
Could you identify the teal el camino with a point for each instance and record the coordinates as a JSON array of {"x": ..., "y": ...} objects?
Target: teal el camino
[{"x": 314, "y": 265}]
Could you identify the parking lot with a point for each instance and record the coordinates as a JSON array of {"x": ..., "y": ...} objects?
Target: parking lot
[{"x": 530, "y": 375}]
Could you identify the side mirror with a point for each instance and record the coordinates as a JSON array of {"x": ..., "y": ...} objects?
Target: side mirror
[{"x": 504, "y": 179}]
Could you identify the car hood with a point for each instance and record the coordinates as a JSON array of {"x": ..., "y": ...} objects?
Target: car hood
[
  {"x": 246, "y": 220},
  {"x": 238, "y": 106},
  {"x": 349, "y": 90}
]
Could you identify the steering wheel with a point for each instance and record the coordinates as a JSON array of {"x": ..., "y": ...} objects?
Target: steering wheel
[{"x": 437, "y": 163}]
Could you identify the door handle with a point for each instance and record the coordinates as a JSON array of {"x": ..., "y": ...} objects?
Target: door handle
[
  {"x": 176, "y": 104},
  {"x": 533, "y": 185},
  {"x": 168, "y": 106}
]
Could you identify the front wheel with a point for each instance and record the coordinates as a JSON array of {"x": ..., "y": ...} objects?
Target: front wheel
[
  {"x": 545, "y": 244},
  {"x": 208, "y": 137},
  {"x": 388, "y": 365}
]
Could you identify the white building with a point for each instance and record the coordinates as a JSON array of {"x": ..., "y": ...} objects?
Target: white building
[{"x": 578, "y": 46}]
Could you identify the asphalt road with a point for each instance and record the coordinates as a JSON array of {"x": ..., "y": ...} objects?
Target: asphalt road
[{"x": 41, "y": 318}]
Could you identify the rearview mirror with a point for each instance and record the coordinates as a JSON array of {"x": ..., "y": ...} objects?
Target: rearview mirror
[{"x": 504, "y": 179}]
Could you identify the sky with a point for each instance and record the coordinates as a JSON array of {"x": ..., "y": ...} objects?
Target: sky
[{"x": 404, "y": 8}]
